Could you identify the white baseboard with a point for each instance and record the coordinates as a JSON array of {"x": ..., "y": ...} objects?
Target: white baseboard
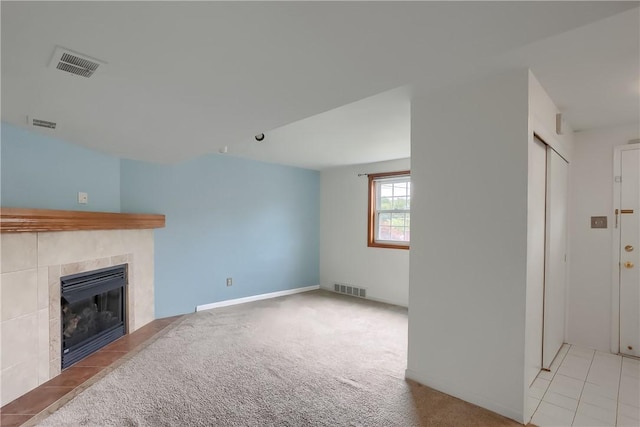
[
  {"x": 466, "y": 395},
  {"x": 256, "y": 298}
]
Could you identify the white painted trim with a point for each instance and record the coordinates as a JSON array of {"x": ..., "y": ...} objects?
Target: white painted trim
[
  {"x": 256, "y": 298},
  {"x": 465, "y": 395}
]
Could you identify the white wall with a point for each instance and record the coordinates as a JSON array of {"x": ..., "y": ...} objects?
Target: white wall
[
  {"x": 469, "y": 241},
  {"x": 344, "y": 254},
  {"x": 542, "y": 120},
  {"x": 590, "y": 265}
]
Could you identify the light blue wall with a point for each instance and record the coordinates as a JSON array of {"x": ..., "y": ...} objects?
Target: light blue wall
[
  {"x": 226, "y": 217},
  {"x": 39, "y": 171}
]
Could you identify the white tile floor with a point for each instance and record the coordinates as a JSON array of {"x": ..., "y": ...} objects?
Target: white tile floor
[{"x": 587, "y": 388}]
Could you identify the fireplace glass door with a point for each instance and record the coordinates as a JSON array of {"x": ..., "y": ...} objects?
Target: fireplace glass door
[{"x": 93, "y": 311}]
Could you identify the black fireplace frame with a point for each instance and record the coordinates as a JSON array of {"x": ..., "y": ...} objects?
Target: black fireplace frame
[{"x": 77, "y": 287}]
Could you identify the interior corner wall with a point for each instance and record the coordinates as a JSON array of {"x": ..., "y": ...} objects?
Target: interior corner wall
[
  {"x": 468, "y": 258},
  {"x": 344, "y": 255},
  {"x": 590, "y": 258},
  {"x": 255, "y": 222},
  {"x": 43, "y": 172}
]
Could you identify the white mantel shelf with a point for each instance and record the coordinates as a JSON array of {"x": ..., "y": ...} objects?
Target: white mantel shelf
[{"x": 20, "y": 220}]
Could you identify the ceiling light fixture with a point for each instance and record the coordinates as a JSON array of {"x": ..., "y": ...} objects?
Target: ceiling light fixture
[{"x": 260, "y": 137}]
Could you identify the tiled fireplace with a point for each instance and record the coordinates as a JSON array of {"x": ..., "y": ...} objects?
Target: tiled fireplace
[{"x": 32, "y": 264}]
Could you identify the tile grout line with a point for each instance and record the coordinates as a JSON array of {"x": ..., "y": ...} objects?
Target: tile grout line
[
  {"x": 618, "y": 394},
  {"x": 593, "y": 356},
  {"x": 556, "y": 372},
  {"x": 550, "y": 381}
]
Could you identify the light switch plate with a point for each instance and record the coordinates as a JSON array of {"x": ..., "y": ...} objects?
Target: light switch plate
[
  {"x": 83, "y": 198},
  {"x": 598, "y": 222}
]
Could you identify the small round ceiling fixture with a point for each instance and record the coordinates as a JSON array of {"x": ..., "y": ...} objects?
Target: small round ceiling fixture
[{"x": 260, "y": 137}]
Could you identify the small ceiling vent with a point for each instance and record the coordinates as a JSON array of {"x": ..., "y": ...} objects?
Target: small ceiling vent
[
  {"x": 41, "y": 123},
  {"x": 74, "y": 62}
]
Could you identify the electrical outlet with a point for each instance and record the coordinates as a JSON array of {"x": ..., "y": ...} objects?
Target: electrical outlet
[
  {"x": 83, "y": 198},
  {"x": 229, "y": 281}
]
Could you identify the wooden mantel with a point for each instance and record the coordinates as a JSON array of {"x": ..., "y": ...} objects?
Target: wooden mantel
[{"x": 18, "y": 220}]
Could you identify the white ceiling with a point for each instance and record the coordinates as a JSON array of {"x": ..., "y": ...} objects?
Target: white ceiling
[{"x": 328, "y": 83}]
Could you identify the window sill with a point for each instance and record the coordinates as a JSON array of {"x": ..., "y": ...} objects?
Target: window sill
[{"x": 387, "y": 245}]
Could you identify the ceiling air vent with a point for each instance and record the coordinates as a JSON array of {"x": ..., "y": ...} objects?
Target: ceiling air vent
[
  {"x": 41, "y": 123},
  {"x": 74, "y": 62}
]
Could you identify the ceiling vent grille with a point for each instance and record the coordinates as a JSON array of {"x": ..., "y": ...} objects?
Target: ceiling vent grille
[
  {"x": 74, "y": 62},
  {"x": 41, "y": 123}
]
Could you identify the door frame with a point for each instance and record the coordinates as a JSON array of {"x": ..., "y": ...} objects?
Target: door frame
[{"x": 615, "y": 247}]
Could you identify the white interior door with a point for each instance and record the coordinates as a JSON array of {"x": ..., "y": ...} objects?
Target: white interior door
[
  {"x": 555, "y": 259},
  {"x": 536, "y": 217},
  {"x": 629, "y": 217}
]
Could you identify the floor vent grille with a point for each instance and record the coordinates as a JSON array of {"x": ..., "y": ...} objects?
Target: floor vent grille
[{"x": 341, "y": 288}]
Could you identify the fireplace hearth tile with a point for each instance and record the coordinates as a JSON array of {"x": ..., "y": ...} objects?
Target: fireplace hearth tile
[
  {"x": 129, "y": 342},
  {"x": 12, "y": 420},
  {"x": 36, "y": 400},
  {"x": 73, "y": 376},
  {"x": 101, "y": 358}
]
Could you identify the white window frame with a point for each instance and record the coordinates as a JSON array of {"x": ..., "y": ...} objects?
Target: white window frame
[{"x": 374, "y": 211}]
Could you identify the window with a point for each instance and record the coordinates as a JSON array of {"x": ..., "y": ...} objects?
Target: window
[{"x": 390, "y": 210}]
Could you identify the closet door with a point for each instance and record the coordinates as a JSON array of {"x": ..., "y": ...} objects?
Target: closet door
[{"x": 555, "y": 259}]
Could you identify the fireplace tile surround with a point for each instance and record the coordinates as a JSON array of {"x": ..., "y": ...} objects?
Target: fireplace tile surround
[{"x": 31, "y": 267}]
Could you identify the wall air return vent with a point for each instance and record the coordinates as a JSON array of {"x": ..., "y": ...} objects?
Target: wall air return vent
[
  {"x": 41, "y": 123},
  {"x": 74, "y": 62},
  {"x": 342, "y": 288}
]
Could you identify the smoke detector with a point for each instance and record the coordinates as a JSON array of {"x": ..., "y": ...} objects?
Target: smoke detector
[
  {"x": 41, "y": 123},
  {"x": 74, "y": 63}
]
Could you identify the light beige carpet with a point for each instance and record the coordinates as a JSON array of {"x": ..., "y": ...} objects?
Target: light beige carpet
[{"x": 312, "y": 359}]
